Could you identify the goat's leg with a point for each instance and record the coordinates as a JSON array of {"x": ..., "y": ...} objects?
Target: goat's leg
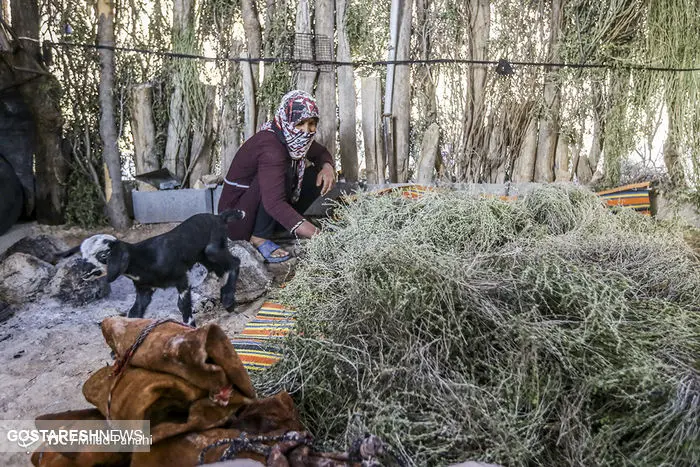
[
  {"x": 228, "y": 291},
  {"x": 143, "y": 299},
  {"x": 184, "y": 304},
  {"x": 224, "y": 260}
]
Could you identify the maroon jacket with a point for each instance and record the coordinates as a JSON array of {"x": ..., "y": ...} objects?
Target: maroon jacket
[{"x": 261, "y": 164}]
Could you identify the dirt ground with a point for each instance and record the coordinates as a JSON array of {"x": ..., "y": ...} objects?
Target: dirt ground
[{"x": 49, "y": 349}]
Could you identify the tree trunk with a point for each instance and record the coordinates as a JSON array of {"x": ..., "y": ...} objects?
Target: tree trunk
[
  {"x": 116, "y": 205},
  {"x": 5, "y": 10},
  {"x": 346, "y": 99},
  {"x": 549, "y": 118},
  {"x": 672, "y": 158},
  {"x": 268, "y": 47},
  {"x": 144, "y": 131},
  {"x": 524, "y": 168},
  {"x": 253, "y": 34},
  {"x": 425, "y": 82},
  {"x": 474, "y": 138},
  {"x": 248, "y": 97},
  {"x": 424, "y": 78},
  {"x": 576, "y": 159},
  {"x": 203, "y": 139},
  {"x": 41, "y": 95},
  {"x": 371, "y": 96},
  {"x": 496, "y": 148},
  {"x": 230, "y": 129},
  {"x": 428, "y": 155},
  {"x": 388, "y": 114},
  {"x": 561, "y": 161},
  {"x": 587, "y": 164},
  {"x": 303, "y": 48},
  {"x": 177, "y": 144},
  {"x": 401, "y": 107},
  {"x": 230, "y": 136},
  {"x": 325, "y": 93}
]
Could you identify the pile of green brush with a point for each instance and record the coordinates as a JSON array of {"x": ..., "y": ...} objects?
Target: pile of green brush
[{"x": 544, "y": 331}]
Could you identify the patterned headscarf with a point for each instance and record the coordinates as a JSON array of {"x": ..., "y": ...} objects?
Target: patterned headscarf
[{"x": 296, "y": 107}]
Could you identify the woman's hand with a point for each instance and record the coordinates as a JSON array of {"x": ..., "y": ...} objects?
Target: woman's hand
[{"x": 326, "y": 178}]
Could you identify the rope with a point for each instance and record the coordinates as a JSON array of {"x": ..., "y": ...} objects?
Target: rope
[
  {"x": 121, "y": 363},
  {"x": 432, "y": 61}
]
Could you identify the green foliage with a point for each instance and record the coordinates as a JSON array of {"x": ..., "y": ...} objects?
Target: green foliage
[
  {"x": 368, "y": 29},
  {"x": 84, "y": 207},
  {"x": 276, "y": 85},
  {"x": 279, "y": 38}
]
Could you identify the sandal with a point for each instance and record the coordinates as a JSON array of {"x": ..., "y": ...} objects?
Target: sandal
[{"x": 267, "y": 248}]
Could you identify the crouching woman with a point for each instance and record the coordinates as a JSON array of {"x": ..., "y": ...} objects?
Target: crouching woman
[{"x": 276, "y": 175}]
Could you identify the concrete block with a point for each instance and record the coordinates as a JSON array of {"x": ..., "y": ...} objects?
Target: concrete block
[
  {"x": 523, "y": 188},
  {"x": 478, "y": 189},
  {"x": 152, "y": 207}
]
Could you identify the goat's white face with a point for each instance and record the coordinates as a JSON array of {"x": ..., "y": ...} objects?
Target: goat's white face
[{"x": 96, "y": 251}]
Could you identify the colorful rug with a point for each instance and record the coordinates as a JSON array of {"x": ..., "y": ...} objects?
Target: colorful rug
[
  {"x": 636, "y": 196},
  {"x": 259, "y": 345}
]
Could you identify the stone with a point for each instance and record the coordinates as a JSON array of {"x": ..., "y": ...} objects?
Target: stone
[
  {"x": 6, "y": 313},
  {"x": 254, "y": 279},
  {"x": 23, "y": 277},
  {"x": 44, "y": 247},
  {"x": 68, "y": 286}
]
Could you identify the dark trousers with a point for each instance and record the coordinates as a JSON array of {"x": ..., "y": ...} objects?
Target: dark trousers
[{"x": 266, "y": 225}]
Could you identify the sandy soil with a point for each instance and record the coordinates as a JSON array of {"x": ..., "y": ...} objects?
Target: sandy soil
[{"x": 49, "y": 349}]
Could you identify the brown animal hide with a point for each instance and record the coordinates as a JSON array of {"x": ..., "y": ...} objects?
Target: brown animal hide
[
  {"x": 192, "y": 387},
  {"x": 81, "y": 458},
  {"x": 172, "y": 404},
  {"x": 272, "y": 416},
  {"x": 204, "y": 356}
]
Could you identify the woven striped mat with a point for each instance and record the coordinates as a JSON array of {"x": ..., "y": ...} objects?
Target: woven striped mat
[
  {"x": 259, "y": 345},
  {"x": 635, "y": 196}
]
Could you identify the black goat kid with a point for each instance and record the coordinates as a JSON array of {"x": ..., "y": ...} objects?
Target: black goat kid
[{"x": 164, "y": 260}]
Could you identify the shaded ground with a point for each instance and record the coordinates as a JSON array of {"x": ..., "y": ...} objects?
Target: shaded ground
[{"x": 49, "y": 349}]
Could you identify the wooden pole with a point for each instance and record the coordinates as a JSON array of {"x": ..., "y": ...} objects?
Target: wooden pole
[
  {"x": 144, "y": 131},
  {"x": 387, "y": 117}
]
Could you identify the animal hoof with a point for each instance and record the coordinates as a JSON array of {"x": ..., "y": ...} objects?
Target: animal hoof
[{"x": 228, "y": 300}]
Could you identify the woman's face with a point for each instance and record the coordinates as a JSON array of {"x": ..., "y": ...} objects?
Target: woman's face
[{"x": 308, "y": 125}]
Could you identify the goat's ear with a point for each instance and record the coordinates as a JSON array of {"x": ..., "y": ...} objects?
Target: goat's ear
[{"x": 118, "y": 261}]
